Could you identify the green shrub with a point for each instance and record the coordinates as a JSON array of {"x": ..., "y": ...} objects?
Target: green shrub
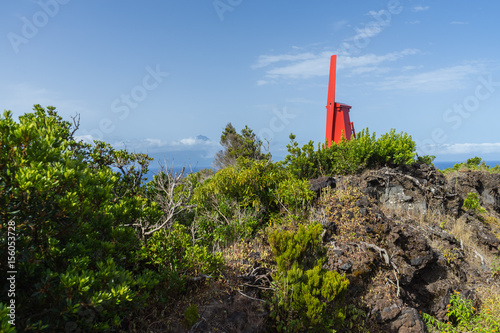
[
  {"x": 106, "y": 291},
  {"x": 473, "y": 162},
  {"x": 393, "y": 148},
  {"x": 463, "y": 317},
  {"x": 236, "y": 200},
  {"x": 174, "y": 251},
  {"x": 70, "y": 208},
  {"x": 472, "y": 202},
  {"x": 350, "y": 157},
  {"x": 308, "y": 297},
  {"x": 426, "y": 159}
]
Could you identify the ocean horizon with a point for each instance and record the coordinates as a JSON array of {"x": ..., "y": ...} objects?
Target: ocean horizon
[{"x": 441, "y": 165}]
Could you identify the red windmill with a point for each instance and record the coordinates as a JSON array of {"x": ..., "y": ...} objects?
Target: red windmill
[{"x": 338, "y": 123}]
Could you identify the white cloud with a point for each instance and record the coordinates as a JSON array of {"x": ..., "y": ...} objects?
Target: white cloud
[
  {"x": 187, "y": 142},
  {"x": 309, "y": 65},
  {"x": 263, "y": 82},
  {"x": 420, "y": 8},
  {"x": 317, "y": 66},
  {"x": 266, "y": 60},
  {"x": 459, "y": 22},
  {"x": 370, "y": 69},
  {"x": 455, "y": 77},
  {"x": 373, "y": 59},
  {"x": 467, "y": 148},
  {"x": 340, "y": 25},
  {"x": 372, "y": 28},
  {"x": 150, "y": 145},
  {"x": 367, "y": 32}
]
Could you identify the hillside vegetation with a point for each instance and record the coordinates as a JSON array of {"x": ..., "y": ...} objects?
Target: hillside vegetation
[{"x": 364, "y": 236}]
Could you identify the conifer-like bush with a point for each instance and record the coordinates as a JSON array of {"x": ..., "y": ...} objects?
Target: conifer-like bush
[{"x": 308, "y": 297}]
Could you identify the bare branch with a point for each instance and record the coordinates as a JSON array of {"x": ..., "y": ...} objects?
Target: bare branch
[
  {"x": 253, "y": 298},
  {"x": 76, "y": 125},
  {"x": 173, "y": 192}
]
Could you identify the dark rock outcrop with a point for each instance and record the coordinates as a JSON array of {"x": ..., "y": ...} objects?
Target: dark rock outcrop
[
  {"x": 398, "y": 263},
  {"x": 318, "y": 184},
  {"x": 408, "y": 321}
]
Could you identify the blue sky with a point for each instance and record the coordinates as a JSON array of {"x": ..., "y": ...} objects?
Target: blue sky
[{"x": 162, "y": 76}]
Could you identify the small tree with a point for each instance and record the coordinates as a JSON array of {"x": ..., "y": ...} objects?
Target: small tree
[{"x": 237, "y": 145}]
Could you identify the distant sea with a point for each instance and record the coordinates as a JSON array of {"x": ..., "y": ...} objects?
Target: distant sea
[
  {"x": 154, "y": 170},
  {"x": 441, "y": 165}
]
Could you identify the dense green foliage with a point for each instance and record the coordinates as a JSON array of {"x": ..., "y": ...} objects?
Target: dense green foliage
[
  {"x": 236, "y": 200},
  {"x": 349, "y": 157},
  {"x": 173, "y": 251},
  {"x": 308, "y": 297},
  {"x": 73, "y": 255},
  {"x": 93, "y": 240}
]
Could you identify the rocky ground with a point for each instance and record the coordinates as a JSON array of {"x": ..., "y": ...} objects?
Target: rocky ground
[
  {"x": 414, "y": 244},
  {"x": 401, "y": 236}
]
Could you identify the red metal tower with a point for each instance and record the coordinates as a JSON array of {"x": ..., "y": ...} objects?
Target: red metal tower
[{"x": 338, "y": 123}]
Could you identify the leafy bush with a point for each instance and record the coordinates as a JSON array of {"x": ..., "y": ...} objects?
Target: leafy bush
[
  {"x": 472, "y": 202},
  {"x": 235, "y": 201},
  {"x": 463, "y": 317},
  {"x": 349, "y": 157},
  {"x": 395, "y": 148},
  {"x": 426, "y": 159},
  {"x": 174, "y": 250},
  {"x": 308, "y": 297},
  {"x": 69, "y": 207},
  {"x": 106, "y": 292}
]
